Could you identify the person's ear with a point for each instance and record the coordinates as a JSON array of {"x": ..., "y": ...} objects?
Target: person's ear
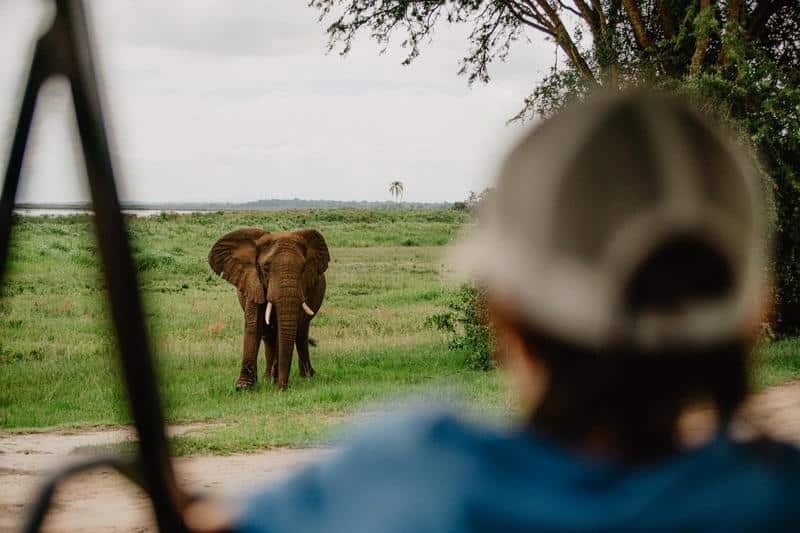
[
  {"x": 762, "y": 317},
  {"x": 526, "y": 375}
]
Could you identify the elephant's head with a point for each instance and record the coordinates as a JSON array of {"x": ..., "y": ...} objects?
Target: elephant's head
[{"x": 278, "y": 269}]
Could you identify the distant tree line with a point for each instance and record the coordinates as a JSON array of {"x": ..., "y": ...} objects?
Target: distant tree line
[{"x": 273, "y": 204}]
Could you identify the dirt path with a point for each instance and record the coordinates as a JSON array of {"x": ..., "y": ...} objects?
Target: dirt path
[{"x": 101, "y": 501}]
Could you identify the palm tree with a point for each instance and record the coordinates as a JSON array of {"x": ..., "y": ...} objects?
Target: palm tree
[{"x": 396, "y": 189}]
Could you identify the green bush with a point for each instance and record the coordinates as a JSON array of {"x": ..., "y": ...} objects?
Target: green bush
[{"x": 466, "y": 320}]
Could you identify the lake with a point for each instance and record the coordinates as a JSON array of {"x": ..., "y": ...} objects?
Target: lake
[{"x": 55, "y": 211}]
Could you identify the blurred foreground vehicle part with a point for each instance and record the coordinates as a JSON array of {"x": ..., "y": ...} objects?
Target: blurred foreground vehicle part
[{"x": 66, "y": 50}]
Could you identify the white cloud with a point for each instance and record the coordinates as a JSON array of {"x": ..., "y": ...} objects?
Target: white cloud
[{"x": 214, "y": 103}]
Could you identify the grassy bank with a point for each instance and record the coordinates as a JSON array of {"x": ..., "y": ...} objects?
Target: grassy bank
[{"x": 57, "y": 364}]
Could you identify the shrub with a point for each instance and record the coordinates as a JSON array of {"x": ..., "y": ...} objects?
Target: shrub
[
  {"x": 476, "y": 199},
  {"x": 466, "y": 320}
]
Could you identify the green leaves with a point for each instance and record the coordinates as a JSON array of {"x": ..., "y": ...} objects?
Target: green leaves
[
  {"x": 738, "y": 60},
  {"x": 466, "y": 320}
]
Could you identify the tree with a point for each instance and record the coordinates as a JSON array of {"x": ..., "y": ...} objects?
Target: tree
[
  {"x": 476, "y": 199},
  {"x": 739, "y": 59},
  {"x": 396, "y": 189}
]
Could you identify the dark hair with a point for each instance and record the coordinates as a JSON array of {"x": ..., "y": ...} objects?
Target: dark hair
[{"x": 636, "y": 398}]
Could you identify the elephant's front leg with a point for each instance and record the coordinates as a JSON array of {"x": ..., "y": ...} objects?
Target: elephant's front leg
[
  {"x": 252, "y": 339},
  {"x": 306, "y": 370}
]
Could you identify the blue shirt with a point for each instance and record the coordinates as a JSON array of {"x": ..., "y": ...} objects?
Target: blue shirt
[{"x": 437, "y": 473}]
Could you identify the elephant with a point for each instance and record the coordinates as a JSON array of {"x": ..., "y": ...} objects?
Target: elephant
[{"x": 280, "y": 277}]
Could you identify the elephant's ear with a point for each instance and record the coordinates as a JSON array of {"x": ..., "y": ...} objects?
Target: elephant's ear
[
  {"x": 316, "y": 249},
  {"x": 234, "y": 258}
]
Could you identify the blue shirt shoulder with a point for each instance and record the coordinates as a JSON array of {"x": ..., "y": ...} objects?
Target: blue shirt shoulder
[{"x": 434, "y": 472}]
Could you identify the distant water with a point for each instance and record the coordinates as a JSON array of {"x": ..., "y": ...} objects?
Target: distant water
[{"x": 66, "y": 212}]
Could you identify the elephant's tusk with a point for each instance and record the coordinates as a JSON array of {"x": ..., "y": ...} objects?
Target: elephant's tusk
[
  {"x": 307, "y": 309},
  {"x": 267, "y": 312}
]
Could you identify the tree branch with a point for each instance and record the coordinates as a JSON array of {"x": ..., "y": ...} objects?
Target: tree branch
[
  {"x": 523, "y": 17},
  {"x": 733, "y": 24},
  {"x": 761, "y": 15},
  {"x": 597, "y": 6},
  {"x": 701, "y": 39},
  {"x": 605, "y": 53},
  {"x": 570, "y": 9},
  {"x": 639, "y": 30},
  {"x": 590, "y": 16},
  {"x": 734, "y": 11},
  {"x": 668, "y": 23},
  {"x": 564, "y": 39}
]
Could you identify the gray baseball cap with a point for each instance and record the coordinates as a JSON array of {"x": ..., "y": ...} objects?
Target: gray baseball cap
[{"x": 587, "y": 197}]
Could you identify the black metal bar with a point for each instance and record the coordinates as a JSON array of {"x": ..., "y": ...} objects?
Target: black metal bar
[
  {"x": 44, "y": 497},
  {"x": 66, "y": 49},
  {"x": 15, "y": 160},
  {"x": 126, "y": 308}
]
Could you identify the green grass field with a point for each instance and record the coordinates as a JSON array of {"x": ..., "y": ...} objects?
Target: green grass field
[{"x": 57, "y": 363}]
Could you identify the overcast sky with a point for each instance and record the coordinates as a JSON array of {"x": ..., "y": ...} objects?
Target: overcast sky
[{"x": 235, "y": 101}]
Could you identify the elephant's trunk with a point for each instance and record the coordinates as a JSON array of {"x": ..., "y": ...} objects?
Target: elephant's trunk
[{"x": 287, "y": 312}]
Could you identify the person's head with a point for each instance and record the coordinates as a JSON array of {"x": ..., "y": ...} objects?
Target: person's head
[{"x": 623, "y": 257}]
